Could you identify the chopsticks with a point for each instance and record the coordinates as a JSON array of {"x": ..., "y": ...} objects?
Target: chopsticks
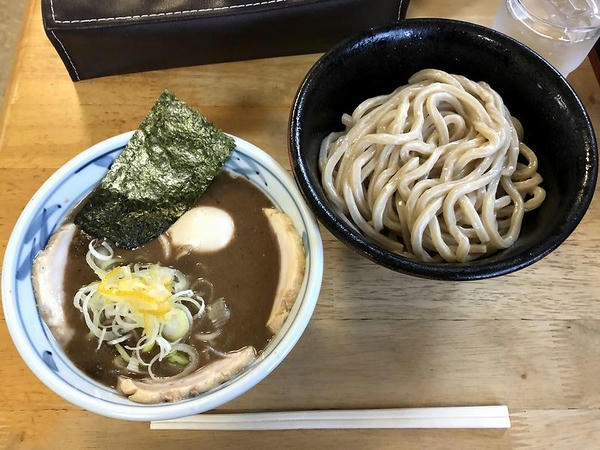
[{"x": 448, "y": 417}]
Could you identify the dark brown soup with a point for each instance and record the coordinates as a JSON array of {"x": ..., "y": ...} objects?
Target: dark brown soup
[{"x": 245, "y": 274}]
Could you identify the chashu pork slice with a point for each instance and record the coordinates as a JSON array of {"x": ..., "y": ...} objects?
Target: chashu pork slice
[
  {"x": 175, "y": 389},
  {"x": 48, "y": 274},
  {"x": 292, "y": 266}
]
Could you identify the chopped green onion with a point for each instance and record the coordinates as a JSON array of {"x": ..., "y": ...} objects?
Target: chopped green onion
[
  {"x": 148, "y": 347},
  {"x": 122, "y": 352},
  {"x": 179, "y": 358}
]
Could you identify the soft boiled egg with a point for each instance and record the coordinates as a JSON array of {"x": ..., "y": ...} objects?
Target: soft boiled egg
[{"x": 203, "y": 228}]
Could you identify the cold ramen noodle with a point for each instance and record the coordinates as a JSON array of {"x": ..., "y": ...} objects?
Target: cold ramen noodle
[
  {"x": 436, "y": 170},
  {"x": 188, "y": 289}
]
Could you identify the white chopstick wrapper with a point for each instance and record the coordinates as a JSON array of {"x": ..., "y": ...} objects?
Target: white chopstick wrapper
[{"x": 454, "y": 417}]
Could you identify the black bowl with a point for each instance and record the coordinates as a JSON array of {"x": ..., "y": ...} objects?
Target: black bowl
[{"x": 556, "y": 126}]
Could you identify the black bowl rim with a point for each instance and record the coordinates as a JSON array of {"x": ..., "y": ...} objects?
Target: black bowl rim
[{"x": 393, "y": 261}]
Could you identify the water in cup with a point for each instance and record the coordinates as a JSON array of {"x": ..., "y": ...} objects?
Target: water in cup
[{"x": 562, "y": 31}]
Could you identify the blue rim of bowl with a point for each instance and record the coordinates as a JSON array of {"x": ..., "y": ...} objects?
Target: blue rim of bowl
[
  {"x": 378, "y": 254},
  {"x": 212, "y": 399}
]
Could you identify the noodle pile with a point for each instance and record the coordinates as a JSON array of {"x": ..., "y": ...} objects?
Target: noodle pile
[{"x": 433, "y": 170}]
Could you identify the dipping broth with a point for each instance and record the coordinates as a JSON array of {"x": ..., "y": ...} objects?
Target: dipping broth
[{"x": 245, "y": 274}]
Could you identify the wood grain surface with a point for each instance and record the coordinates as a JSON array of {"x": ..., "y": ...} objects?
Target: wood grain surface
[{"x": 530, "y": 340}]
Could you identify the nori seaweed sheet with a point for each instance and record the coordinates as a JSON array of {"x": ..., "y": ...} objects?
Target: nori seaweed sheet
[{"x": 166, "y": 166}]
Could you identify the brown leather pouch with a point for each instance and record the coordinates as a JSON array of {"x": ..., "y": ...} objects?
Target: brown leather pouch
[{"x": 97, "y": 38}]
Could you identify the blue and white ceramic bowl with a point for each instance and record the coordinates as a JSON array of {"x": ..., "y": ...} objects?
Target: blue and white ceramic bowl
[{"x": 45, "y": 211}]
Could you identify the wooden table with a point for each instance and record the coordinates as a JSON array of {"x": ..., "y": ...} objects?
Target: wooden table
[{"x": 530, "y": 340}]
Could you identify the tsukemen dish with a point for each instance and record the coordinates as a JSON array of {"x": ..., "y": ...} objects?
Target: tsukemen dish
[{"x": 173, "y": 274}]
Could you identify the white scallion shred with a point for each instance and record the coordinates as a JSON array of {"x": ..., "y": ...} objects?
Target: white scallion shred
[
  {"x": 114, "y": 318},
  {"x": 133, "y": 365},
  {"x": 218, "y": 313},
  {"x": 207, "y": 337},
  {"x": 101, "y": 338},
  {"x": 217, "y": 352}
]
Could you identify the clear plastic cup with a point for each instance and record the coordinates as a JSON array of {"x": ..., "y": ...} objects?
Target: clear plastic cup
[{"x": 562, "y": 31}]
